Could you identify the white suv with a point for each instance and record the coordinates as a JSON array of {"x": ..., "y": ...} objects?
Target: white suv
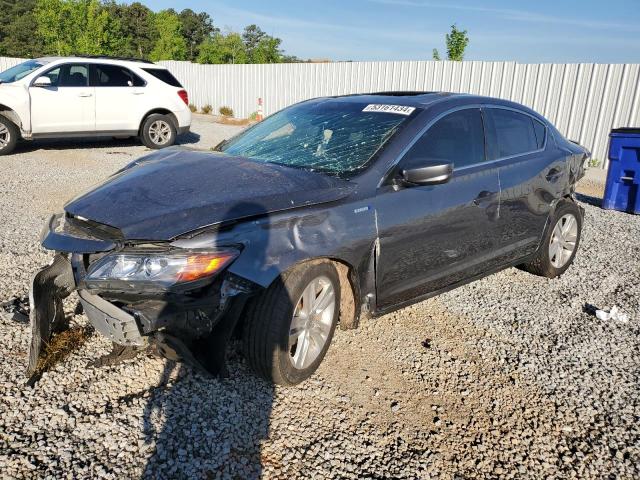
[{"x": 91, "y": 96}]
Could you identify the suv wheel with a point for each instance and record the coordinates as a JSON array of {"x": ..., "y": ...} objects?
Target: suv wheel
[
  {"x": 560, "y": 243},
  {"x": 158, "y": 131},
  {"x": 290, "y": 325},
  {"x": 9, "y": 135}
]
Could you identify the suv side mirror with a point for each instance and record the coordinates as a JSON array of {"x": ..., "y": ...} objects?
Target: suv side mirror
[
  {"x": 430, "y": 173},
  {"x": 42, "y": 82}
]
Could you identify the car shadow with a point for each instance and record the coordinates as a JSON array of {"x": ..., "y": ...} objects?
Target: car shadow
[
  {"x": 595, "y": 201},
  {"x": 189, "y": 138},
  {"x": 199, "y": 426}
]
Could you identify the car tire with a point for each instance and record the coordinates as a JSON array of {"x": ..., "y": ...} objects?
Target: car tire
[
  {"x": 560, "y": 242},
  {"x": 281, "y": 342},
  {"x": 9, "y": 135},
  {"x": 158, "y": 131}
]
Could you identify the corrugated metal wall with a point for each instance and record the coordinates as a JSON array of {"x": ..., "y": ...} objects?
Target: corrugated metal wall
[
  {"x": 7, "y": 62},
  {"x": 583, "y": 100}
]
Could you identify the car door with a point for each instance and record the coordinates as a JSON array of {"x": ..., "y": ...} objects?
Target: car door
[
  {"x": 434, "y": 236},
  {"x": 531, "y": 177},
  {"x": 67, "y": 105},
  {"x": 120, "y": 98}
]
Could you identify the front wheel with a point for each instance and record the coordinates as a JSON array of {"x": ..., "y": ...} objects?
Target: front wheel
[
  {"x": 9, "y": 134},
  {"x": 560, "y": 243},
  {"x": 289, "y": 327},
  {"x": 158, "y": 131}
]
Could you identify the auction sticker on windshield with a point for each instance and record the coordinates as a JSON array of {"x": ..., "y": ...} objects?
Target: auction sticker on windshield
[{"x": 384, "y": 108}]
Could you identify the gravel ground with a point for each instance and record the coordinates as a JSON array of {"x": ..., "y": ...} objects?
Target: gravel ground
[{"x": 511, "y": 376}]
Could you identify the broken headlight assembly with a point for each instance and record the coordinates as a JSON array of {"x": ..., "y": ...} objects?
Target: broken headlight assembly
[{"x": 163, "y": 270}]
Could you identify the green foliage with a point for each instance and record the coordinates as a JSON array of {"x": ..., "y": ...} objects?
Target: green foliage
[
  {"x": 196, "y": 28},
  {"x": 222, "y": 48},
  {"x": 77, "y": 27},
  {"x": 193, "y": 108},
  {"x": 17, "y": 20},
  {"x": 457, "y": 42},
  {"x": 593, "y": 163},
  {"x": 226, "y": 111},
  {"x": 206, "y": 109},
  {"x": 253, "y": 116},
  {"x": 170, "y": 44},
  {"x": 31, "y": 28},
  {"x": 435, "y": 54}
]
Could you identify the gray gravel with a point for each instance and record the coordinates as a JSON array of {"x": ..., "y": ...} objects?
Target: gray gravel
[{"x": 511, "y": 376}]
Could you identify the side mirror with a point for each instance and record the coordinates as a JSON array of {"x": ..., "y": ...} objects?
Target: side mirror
[
  {"x": 42, "y": 82},
  {"x": 431, "y": 173}
]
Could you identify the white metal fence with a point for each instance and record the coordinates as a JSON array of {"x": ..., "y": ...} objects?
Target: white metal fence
[{"x": 583, "y": 100}]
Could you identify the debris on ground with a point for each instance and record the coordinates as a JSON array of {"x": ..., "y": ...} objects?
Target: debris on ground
[
  {"x": 613, "y": 314},
  {"x": 16, "y": 309}
]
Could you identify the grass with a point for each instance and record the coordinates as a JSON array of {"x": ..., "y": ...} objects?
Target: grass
[{"x": 61, "y": 345}]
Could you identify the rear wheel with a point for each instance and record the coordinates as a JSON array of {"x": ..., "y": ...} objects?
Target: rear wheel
[
  {"x": 158, "y": 131},
  {"x": 289, "y": 327},
  {"x": 560, "y": 243},
  {"x": 9, "y": 135}
]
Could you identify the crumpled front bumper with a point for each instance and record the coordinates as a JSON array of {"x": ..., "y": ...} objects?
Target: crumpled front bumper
[{"x": 175, "y": 320}]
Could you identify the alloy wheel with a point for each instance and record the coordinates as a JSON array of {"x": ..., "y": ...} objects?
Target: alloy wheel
[
  {"x": 160, "y": 132},
  {"x": 311, "y": 323},
  {"x": 563, "y": 240},
  {"x": 5, "y": 136}
]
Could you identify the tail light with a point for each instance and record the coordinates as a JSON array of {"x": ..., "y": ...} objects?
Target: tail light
[{"x": 184, "y": 96}]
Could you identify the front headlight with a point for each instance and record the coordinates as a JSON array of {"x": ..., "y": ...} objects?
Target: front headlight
[{"x": 161, "y": 269}]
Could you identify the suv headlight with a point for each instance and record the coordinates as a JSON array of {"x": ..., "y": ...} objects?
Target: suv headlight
[{"x": 160, "y": 269}]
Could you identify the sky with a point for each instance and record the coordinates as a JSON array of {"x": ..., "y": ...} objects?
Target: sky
[{"x": 559, "y": 31}]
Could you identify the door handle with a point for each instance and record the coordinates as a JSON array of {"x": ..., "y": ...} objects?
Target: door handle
[
  {"x": 138, "y": 93},
  {"x": 553, "y": 174},
  {"x": 484, "y": 196},
  {"x": 85, "y": 94}
]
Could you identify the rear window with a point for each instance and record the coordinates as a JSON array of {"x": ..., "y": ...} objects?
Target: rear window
[
  {"x": 163, "y": 75},
  {"x": 514, "y": 133},
  {"x": 541, "y": 131}
]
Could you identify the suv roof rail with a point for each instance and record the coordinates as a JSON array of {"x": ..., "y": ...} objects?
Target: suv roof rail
[{"x": 107, "y": 57}]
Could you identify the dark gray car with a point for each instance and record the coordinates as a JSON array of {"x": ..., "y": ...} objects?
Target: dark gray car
[{"x": 328, "y": 210}]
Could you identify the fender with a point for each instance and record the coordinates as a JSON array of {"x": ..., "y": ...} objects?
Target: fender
[{"x": 15, "y": 105}]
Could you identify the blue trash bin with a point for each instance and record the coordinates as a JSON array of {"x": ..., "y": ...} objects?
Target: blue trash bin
[{"x": 622, "y": 191}]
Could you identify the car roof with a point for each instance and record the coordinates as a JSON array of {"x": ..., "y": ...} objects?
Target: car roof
[
  {"x": 129, "y": 62},
  {"x": 424, "y": 99}
]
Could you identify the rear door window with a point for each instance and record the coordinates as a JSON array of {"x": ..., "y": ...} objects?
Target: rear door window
[
  {"x": 116, "y": 76},
  {"x": 513, "y": 133},
  {"x": 457, "y": 138},
  {"x": 541, "y": 132},
  {"x": 164, "y": 75}
]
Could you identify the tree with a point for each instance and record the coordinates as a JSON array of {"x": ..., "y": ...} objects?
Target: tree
[
  {"x": 170, "y": 44},
  {"x": 17, "y": 39},
  {"x": 435, "y": 55},
  {"x": 222, "y": 48},
  {"x": 69, "y": 27},
  {"x": 196, "y": 28},
  {"x": 260, "y": 47},
  {"x": 138, "y": 28},
  {"x": 457, "y": 42}
]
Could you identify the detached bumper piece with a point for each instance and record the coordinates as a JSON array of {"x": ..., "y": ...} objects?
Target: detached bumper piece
[
  {"x": 111, "y": 321},
  {"x": 48, "y": 288}
]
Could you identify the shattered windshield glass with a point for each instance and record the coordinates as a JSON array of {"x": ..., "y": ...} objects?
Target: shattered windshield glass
[{"x": 327, "y": 136}]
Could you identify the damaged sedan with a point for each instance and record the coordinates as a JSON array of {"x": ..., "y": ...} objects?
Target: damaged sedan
[{"x": 327, "y": 211}]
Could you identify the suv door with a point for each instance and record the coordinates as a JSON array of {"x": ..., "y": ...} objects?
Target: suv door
[
  {"x": 434, "y": 236},
  {"x": 65, "y": 106},
  {"x": 530, "y": 177},
  {"x": 120, "y": 98}
]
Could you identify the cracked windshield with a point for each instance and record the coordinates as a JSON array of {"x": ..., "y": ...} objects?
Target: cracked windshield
[{"x": 338, "y": 138}]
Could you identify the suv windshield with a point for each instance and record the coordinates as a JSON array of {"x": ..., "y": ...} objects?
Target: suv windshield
[
  {"x": 20, "y": 71},
  {"x": 335, "y": 137}
]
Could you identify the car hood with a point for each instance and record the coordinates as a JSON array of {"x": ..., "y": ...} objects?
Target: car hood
[{"x": 176, "y": 191}]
